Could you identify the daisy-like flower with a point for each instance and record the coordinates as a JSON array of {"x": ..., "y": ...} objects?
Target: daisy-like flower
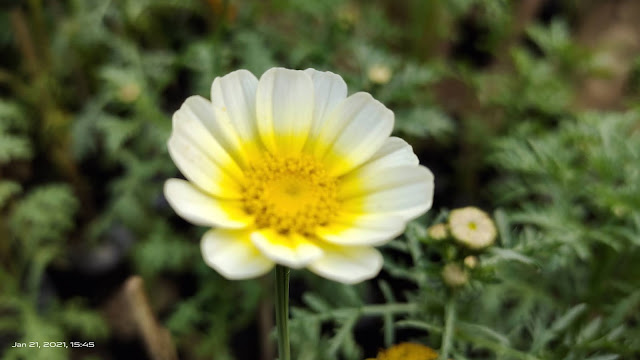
[
  {"x": 289, "y": 170},
  {"x": 472, "y": 227}
]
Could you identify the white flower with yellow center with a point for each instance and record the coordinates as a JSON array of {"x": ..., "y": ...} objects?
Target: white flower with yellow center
[{"x": 289, "y": 170}]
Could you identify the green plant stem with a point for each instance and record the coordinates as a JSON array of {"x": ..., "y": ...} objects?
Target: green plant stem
[
  {"x": 282, "y": 312},
  {"x": 449, "y": 324}
]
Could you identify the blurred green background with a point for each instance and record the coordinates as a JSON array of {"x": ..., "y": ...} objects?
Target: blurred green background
[{"x": 528, "y": 109}]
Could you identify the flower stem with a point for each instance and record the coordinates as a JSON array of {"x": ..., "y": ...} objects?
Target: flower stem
[
  {"x": 282, "y": 311},
  {"x": 450, "y": 319}
]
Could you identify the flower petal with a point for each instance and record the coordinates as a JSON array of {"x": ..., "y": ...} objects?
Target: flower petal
[
  {"x": 370, "y": 229},
  {"x": 347, "y": 264},
  {"x": 329, "y": 90},
  {"x": 234, "y": 98},
  {"x": 218, "y": 124},
  {"x": 233, "y": 255},
  {"x": 193, "y": 124},
  {"x": 293, "y": 250},
  {"x": 353, "y": 132},
  {"x": 284, "y": 109},
  {"x": 375, "y": 179},
  {"x": 202, "y": 209},
  {"x": 199, "y": 168},
  {"x": 394, "y": 152},
  {"x": 406, "y": 192}
]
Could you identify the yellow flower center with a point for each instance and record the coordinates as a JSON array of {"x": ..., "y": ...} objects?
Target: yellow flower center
[{"x": 289, "y": 194}]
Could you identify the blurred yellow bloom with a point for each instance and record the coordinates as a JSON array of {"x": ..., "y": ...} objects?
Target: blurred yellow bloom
[
  {"x": 472, "y": 227},
  {"x": 379, "y": 74},
  {"x": 407, "y": 351},
  {"x": 287, "y": 169},
  {"x": 348, "y": 14}
]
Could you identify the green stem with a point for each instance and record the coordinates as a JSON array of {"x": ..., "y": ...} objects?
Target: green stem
[
  {"x": 449, "y": 324},
  {"x": 282, "y": 311}
]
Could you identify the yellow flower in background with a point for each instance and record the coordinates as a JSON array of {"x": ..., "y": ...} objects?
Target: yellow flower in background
[
  {"x": 407, "y": 351},
  {"x": 289, "y": 170},
  {"x": 472, "y": 227}
]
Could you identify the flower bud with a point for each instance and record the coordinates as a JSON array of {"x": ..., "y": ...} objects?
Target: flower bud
[
  {"x": 379, "y": 74},
  {"x": 471, "y": 261},
  {"x": 438, "y": 232},
  {"x": 454, "y": 275}
]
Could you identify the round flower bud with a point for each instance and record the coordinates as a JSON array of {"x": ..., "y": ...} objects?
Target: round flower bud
[
  {"x": 471, "y": 261},
  {"x": 438, "y": 232},
  {"x": 129, "y": 92},
  {"x": 454, "y": 275},
  {"x": 472, "y": 227},
  {"x": 379, "y": 74}
]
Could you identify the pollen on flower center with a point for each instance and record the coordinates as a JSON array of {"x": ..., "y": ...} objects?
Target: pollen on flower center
[{"x": 289, "y": 194}]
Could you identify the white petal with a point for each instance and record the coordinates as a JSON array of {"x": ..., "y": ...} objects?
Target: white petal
[
  {"x": 353, "y": 132},
  {"x": 393, "y": 162},
  {"x": 192, "y": 123},
  {"x": 198, "y": 167},
  {"x": 202, "y": 209},
  {"x": 329, "y": 90},
  {"x": 284, "y": 109},
  {"x": 292, "y": 250},
  {"x": 394, "y": 152},
  {"x": 233, "y": 255},
  {"x": 376, "y": 179},
  {"x": 406, "y": 192},
  {"x": 218, "y": 123},
  {"x": 234, "y": 98},
  {"x": 348, "y": 264},
  {"x": 371, "y": 229}
]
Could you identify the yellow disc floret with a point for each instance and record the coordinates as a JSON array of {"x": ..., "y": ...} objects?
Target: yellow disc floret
[{"x": 289, "y": 194}]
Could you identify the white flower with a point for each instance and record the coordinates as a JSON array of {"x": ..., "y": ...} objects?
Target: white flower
[
  {"x": 472, "y": 227},
  {"x": 289, "y": 170}
]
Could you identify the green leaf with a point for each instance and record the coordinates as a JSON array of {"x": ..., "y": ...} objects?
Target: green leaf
[
  {"x": 510, "y": 255},
  {"x": 14, "y": 147},
  {"x": 7, "y": 190},
  {"x": 46, "y": 214},
  {"x": 604, "y": 357},
  {"x": 82, "y": 321},
  {"x": 316, "y": 303}
]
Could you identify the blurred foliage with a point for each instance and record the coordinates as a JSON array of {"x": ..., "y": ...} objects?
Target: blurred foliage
[{"x": 492, "y": 100}]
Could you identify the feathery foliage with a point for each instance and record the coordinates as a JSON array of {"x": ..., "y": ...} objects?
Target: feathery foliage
[{"x": 524, "y": 111}]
